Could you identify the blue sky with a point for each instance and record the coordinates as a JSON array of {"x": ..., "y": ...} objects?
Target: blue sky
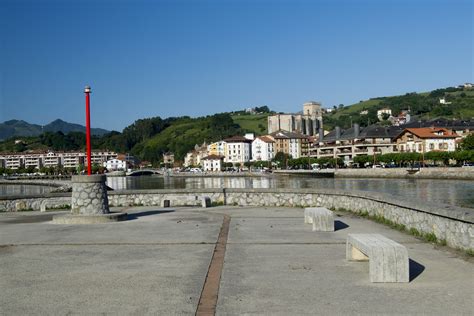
[{"x": 172, "y": 58}]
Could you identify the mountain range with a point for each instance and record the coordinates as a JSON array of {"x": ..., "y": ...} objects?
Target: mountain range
[{"x": 15, "y": 128}]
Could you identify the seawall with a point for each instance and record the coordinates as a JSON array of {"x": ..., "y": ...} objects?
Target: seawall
[
  {"x": 453, "y": 224},
  {"x": 464, "y": 173}
]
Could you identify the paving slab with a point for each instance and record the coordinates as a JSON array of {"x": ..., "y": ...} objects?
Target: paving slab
[{"x": 157, "y": 262}]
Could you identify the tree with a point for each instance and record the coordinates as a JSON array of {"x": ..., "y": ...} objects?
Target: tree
[
  {"x": 281, "y": 159},
  {"x": 468, "y": 142}
]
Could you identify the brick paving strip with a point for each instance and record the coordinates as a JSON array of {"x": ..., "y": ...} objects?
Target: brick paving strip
[{"x": 208, "y": 300}]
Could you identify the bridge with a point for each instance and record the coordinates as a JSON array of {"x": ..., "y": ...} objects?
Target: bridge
[{"x": 144, "y": 172}]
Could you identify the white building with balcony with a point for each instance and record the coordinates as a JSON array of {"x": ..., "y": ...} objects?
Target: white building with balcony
[{"x": 263, "y": 149}]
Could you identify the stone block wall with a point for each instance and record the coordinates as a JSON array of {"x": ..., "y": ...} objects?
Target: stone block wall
[{"x": 453, "y": 224}]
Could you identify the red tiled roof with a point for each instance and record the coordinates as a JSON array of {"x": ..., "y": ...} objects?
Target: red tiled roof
[
  {"x": 266, "y": 139},
  {"x": 430, "y": 132}
]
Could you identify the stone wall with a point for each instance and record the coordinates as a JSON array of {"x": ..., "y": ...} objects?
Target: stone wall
[{"x": 450, "y": 223}]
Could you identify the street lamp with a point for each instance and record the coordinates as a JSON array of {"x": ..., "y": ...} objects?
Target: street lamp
[{"x": 87, "y": 91}]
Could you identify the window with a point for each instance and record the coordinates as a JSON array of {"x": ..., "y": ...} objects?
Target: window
[
  {"x": 431, "y": 146},
  {"x": 440, "y": 146}
]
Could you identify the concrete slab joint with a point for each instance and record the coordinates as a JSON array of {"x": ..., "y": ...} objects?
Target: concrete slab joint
[{"x": 388, "y": 260}]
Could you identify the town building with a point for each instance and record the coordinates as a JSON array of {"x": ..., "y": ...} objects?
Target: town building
[
  {"x": 308, "y": 122},
  {"x": 263, "y": 148},
  {"x": 403, "y": 118},
  {"x": 218, "y": 148},
  {"x": 426, "y": 139},
  {"x": 212, "y": 163},
  {"x": 193, "y": 158},
  {"x": 349, "y": 143},
  {"x": 238, "y": 150},
  {"x": 52, "y": 159},
  {"x": 294, "y": 144}
]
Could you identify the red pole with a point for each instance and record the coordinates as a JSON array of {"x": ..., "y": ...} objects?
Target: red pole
[{"x": 87, "y": 91}]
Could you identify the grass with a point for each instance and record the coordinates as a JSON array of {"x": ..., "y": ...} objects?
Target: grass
[
  {"x": 357, "y": 107},
  {"x": 252, "y": 123},
  {"x": 217, "y": 203}
]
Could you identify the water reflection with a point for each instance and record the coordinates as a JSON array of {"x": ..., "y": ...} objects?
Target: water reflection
[{"x": 454, "y": 192}]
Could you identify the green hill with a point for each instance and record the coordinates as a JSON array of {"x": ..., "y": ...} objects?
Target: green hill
[{"x": 422, "y": 106}]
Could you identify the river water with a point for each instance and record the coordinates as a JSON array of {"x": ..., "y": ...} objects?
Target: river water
[{"x": 452, "y": 192}]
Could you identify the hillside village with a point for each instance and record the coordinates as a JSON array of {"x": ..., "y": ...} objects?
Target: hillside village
[{"x": 306, "y": 134}]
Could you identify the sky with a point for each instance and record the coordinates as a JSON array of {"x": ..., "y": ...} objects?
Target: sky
[{"x": 147, "y": 58}]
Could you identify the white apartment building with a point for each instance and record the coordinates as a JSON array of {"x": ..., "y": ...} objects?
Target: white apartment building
[
  {"x": 238, "y": 150},
  {"x": 12, "y": 161},
  {"x": 32, "y": 161},
  {"x": 51, "y": 159},
  {"x": 263, "y": 149},
  {"x": 73, "y": 160}
]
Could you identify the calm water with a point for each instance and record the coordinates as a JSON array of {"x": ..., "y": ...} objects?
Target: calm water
[
  {"x": 21, "y": 189},
  {"x": 453, "y": 192}
]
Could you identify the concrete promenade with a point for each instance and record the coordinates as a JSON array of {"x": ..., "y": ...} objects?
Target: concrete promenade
[{"x": 156, "y": 264}]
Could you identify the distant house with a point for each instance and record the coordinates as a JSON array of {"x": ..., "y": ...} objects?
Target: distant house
[
  {"x": 212, "y": 163},
  {"x": 193, "y": 158},
  {"x": 426, "y": 139},
  {"x": 443, "y": 101},
  {"x": 364, "y": 112},
  {"x": 115, "y": 165},
  {"x": 383, "y": 111},
  {"x": 168, "y": 158}
]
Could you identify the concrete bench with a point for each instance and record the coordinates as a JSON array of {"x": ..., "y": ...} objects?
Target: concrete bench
[
  {"x": 321, "y": 218},
  {"x": 205, "y": 201},
  {"x": 388, "y": 260}
]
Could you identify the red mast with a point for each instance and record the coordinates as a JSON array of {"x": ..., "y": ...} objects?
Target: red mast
[{"x": 87, "y": 91}]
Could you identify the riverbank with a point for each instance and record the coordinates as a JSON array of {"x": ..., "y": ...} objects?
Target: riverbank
[
  {"x": 451, "y": 173},
  {"x": 464, "y": 173}
]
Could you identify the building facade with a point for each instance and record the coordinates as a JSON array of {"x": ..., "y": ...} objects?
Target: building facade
[
  {"x": 308, "y": 122},
  {"x": 426, "y": 139},
  {"x": 294, "y": 144},
  {"x": 53, "y": 159},
  {"x": 263, "y": 148},
  {"x": 212, "y": 163},
  {"x": 238, "y": 150}
]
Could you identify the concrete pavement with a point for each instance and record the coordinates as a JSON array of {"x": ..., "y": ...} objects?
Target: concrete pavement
[{"x": 156, "y": 263}]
